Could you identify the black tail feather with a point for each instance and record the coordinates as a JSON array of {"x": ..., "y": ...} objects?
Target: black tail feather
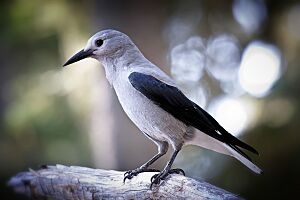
[
  {"x": 240, "y": 151},
  {"x": 238, "y": 142},
  {"x": 227, "y": 137}
]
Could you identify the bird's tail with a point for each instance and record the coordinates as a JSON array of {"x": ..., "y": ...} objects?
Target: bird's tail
[{"x": 208, "y": 142}]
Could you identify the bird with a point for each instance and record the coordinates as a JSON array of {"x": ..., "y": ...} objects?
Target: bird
[{"x": 156, "y": 105}]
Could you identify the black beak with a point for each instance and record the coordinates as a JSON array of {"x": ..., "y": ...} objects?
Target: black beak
[{"x": 79, "y": 56}]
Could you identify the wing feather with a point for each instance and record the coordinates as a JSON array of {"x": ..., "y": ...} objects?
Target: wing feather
[{"x": 172, "y": 100}]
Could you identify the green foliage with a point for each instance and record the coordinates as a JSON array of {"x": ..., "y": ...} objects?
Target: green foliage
[{"x": 38, "y": 124}]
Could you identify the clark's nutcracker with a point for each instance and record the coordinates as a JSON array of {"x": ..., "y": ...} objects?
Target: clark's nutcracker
[{"x": 152, "y": 100}]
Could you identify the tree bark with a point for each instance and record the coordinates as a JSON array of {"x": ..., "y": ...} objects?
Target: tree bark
[{"x": 62, "y": 182}]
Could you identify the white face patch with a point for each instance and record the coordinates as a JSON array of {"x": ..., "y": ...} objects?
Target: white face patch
[{"x": 89, "y": 44}]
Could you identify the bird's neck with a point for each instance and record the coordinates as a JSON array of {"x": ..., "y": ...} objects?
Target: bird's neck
[{"x": 126, "y": 60}]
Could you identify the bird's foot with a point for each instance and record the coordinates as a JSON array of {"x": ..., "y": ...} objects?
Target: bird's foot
[
  {"x": 131, "y": 173},
  {"x": 156, "y": 178}
]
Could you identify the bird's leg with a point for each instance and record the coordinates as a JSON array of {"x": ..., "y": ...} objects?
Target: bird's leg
[
  {"x": 162, "y": 150},
  {"x": 155, "y": 179}
]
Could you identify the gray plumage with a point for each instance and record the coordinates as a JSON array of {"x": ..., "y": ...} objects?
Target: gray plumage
[{"x": 156, "y": 106}]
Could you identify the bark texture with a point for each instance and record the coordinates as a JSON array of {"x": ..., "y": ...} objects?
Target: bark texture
[{"x": 63, "y": 182}]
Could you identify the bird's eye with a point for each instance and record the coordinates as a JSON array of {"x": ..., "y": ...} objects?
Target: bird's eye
[{"x": 99, "y": 42}]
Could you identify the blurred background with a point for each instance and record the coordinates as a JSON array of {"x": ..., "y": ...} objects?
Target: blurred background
[{"x": 237, "y": 59}]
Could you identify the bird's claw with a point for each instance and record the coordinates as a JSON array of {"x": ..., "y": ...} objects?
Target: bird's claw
[
  {"x": 131, "y": 173},
  {"x": 156, "y": 178},
  {"x": 177, "y": 171}
]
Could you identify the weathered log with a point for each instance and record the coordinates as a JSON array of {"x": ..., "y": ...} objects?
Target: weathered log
[{"x": 62, "y": 182}]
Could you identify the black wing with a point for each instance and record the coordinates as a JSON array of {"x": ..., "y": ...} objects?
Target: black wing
[{"x": 172, "y": 100}]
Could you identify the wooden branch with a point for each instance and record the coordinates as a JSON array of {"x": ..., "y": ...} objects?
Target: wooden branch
[{"x": 62, "y": 182}]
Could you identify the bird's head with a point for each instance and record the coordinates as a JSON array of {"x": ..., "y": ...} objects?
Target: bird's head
[{"x": 104, "y": 44}]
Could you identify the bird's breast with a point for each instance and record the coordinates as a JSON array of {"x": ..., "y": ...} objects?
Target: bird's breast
[{"x": 146, "y": 115}]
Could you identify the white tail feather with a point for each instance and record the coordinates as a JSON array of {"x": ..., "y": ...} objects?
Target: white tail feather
[
  {"x": 208, "y": 142},
  {"x": 244, "y": 160}
]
